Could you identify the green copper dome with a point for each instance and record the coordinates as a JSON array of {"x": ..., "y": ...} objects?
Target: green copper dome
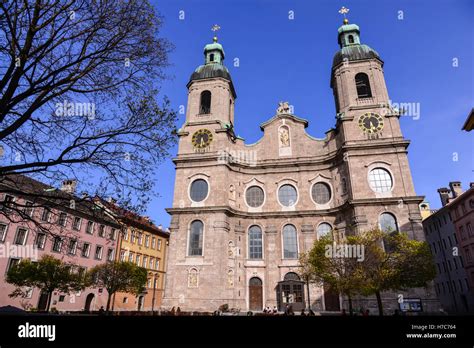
[
  {"x": 348, "y": 27},
  {"x": 355, "y": 52}
]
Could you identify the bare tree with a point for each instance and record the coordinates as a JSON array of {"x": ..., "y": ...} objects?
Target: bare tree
[{"x": 79, "y": 95}]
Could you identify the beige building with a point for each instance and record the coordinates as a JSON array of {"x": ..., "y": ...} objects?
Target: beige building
[{"x": 242, "y": 213}]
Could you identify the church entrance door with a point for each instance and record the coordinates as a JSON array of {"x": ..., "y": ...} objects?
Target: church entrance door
[
  {"x": 331, "y": 299},
  {"x": 255, "y": 294}
]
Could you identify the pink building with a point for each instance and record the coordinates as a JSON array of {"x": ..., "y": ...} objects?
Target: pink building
[{"x": 36, "y": 219}]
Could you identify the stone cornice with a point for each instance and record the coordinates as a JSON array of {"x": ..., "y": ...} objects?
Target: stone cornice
[{"x": 229, "y": 211}]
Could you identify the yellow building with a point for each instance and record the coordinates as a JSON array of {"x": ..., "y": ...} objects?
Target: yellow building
[
  {"x": 145, "y": 244},
  {"x": 425, "y": 210}
]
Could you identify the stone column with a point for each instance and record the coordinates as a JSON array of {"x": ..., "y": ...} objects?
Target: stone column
[{"x": 272, "y": 260}]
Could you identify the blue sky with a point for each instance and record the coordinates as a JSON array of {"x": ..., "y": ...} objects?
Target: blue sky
[{"x": 283, "y": 59}]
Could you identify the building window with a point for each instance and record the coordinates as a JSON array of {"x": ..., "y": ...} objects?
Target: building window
[
  {"x": 101, "y": 230},
  {"x": 62, "y": 219},
  {"x": 125, "y": 235},
  {"x": 122, "y": 255},
  {"x": 351, "y": 39},
  {"x": 90, "y": 227},
  {"x": 380, "y": 180},
  {"x": 140, "y": 238},
  {"x": 324, "y": 229},
  {"x": 363, "y": 86},
  {"x": 57, "y": 244},
  {"x": 287, "y": 195},
  {"x": 132, "y": 236},
  {"x": 46, "y": 215},
  {"x": 469, "y": 229},
  {"x": 388, "y": 223},
  {"x": 157, "y": 264},
  {"x": 255, "y": 243},
  {"x": 72, "y": 247},
  {"x": 28, "y": 209},
  {"x": 254, "y": 196},
  {"x": 138, "y": 259},
  {"x": 211, "y": 57},
  {"x": 195, "y": 238},
  {"x": 76, "y": 224},
  {"x": 205, "y": 105},
  {"x": 13, "y": 262},
  {"x": 130, "y": 257},
  {"x": 147, "y": 241},
  {"x": 199, "y": 190},
  {"x": 98, "y": 252},
  {"x": 110, "y": 254},
  {"x": 321, "y": 193},
  {"x": 159, "y": 244},
  {"x": 40, "y": 240},
  {"x": 62, "y": 298},
  {"x": 153, "y": 242},
  {"x": 86, "y": 249},
  {"x": 152, "y": 263},
  {"x": 7, "y": 203},
  {"x": 113, "y": 234},
  {"x": 125, "y": 300},
  {"x": 20, "y": 238},
  {"x": 3, "y": 232},
  {"x": 145, "y": 261},
  {"x": 290, "y": 243}
]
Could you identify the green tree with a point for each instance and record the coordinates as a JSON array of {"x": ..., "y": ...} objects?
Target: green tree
[
  {"x": 393, "y": 262},
  {"x": 48, "y": 274},
  {"x": 118, "y": 276},
  {"x": 322, "y": 265}
]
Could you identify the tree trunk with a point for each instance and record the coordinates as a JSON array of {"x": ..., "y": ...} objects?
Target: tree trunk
[
  {"x": 309, "y": 299},
  {"x": 351, "y": 311},
  {"x": 108, "y": 301},
  {"x": 379, "y": 302},
  {"x": 50, "y": 295}
]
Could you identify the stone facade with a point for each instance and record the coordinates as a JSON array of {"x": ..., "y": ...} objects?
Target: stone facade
[{"x": 223, "y": 271}]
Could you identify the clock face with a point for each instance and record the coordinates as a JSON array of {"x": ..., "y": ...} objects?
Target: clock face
[
  {"x": 371, "y": 123},
  {"x": 202, "y": 138}
]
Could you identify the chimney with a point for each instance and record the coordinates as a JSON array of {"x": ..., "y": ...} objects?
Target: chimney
[
  {"x": 69, "y": 186},
  {"x": 444, "y": 195},
  {"x": 456, "y": 189}
]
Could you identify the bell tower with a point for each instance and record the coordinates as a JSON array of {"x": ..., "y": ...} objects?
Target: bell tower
[{"x": 211, "y": 93}]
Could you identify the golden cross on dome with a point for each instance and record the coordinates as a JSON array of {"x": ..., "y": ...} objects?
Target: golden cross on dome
[
  {"x": 215, "y": 28},
  {"x": 344, "y": 11}
]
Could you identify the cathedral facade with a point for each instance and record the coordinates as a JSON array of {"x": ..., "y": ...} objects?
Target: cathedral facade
[{"x": 243, "y": 213}]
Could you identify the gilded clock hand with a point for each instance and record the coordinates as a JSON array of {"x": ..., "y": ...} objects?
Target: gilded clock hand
[{"x": 202, "y": 141}]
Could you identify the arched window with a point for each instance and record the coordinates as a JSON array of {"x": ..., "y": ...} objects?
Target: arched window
[
  {"x": 255, "y": 243},
  {"x": 290, "y": 243},
  {"x": 324, "y": 229},
  {"x": 205, "y": 106},
  {"x": 351, "y": 39},
  {"x": 292, "y": 276},
  {"x": 363, "y": 86},
  {"x": 388, "y": 223},
  {"x": 195, "y": 238},
  {"x": 255, "y": 281}
]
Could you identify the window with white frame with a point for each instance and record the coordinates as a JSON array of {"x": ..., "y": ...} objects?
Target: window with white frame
[
  {"x": 254, "y": 196},
  {"x": 72, "y": 247},
  {"x": 40, "y": 240},
  {"x": 152, "y": 262},
  {"x": 138, "y": 259},
  {"x": 98, "y": 252},
  {"x": 140, "y": 238},
  {"x": 159, "y": 244},
  {"x": 147, "y": 241},
  {"x": 157, "y": 264},
  {"x": 62, "y": 219},
  {"x": 86, "y": 249},
  {"x": 113, "y": 233},
  {"x": 131, "y": 257},
  {"x": 122, "y": 255},
  {"x": 20, "y": 238},
  {"x": 28, "y": 209},
  {"x": 324, "y": 229},
  {"x": 46, "y": 215},
  {"x": 287, "y": 195},
  {"x": 153, "y": 242},
  {"x": 101, "y": 231},
  {"x": 199, "y": 190},
  {"x": 57, "y": 244},
  {"x": 3, "y": 231},
  {"x": 90, "y": 227},
  {"x": 145, "y": 261},
  {"x": 76, "y": 223},
  {"x": 12, "y": 263},
  {"x": 110, "y": 254}
]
